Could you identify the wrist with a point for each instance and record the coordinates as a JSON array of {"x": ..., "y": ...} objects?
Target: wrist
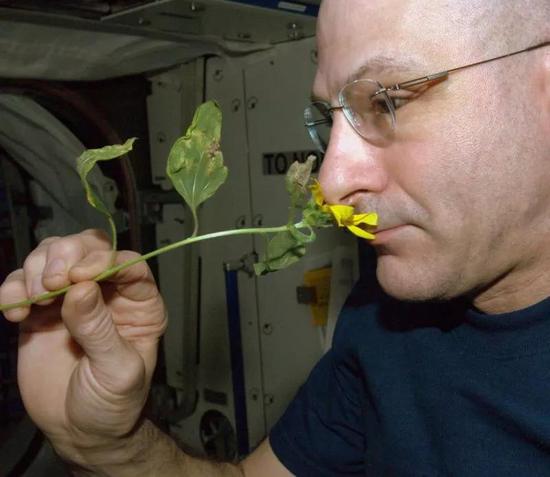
[{"x": 109, "y": 456}]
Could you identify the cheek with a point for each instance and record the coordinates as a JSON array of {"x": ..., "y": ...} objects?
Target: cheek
[{"x": 437, "y": 180}]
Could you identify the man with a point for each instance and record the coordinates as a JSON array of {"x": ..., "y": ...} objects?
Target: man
[{"x": 452, "y": 379}]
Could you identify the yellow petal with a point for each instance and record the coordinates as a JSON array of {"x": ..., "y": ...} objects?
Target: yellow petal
[
  {"x": 367, "y": 219},
  {"x": 360, "y": 232},
  {"x": 317, "y": 193},
  {"x": 342, "y": 213}
]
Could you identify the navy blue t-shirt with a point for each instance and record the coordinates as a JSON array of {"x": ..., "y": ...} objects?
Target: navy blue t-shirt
[{"x": 424, "y": 390}]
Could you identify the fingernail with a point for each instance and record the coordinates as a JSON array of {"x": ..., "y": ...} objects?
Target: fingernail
[
  {"x": 55, "y": 267},
  {"x": 36, "y": 287}
]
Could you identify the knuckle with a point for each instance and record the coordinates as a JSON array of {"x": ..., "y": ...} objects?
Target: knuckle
[
  {"x": 125, "y": 255},
  {"x": 98, "y": 256},
  {"x": 15, "y": 276},
  {"x": 140, "y": 269},
  {"x": 13, "y": 285},
  {"x": 66, "y": 246},
  {"x": 35, "y": 257},
  {"x": 48, "y": 240},
  {"x": 98, "y": 234}
]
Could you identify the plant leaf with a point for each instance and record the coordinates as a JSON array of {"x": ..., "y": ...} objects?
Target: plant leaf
[
  {"x": 87, "y": 160},
  {"x": 195, "y": 163},
  {"x": 283, "y": 250},
  {"x": 297, "y": 181}
]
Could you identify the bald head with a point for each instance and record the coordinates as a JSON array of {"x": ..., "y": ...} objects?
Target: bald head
[{"x": 501, "y": 26}]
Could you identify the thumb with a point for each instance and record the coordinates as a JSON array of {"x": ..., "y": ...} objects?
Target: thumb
[{"x": 114, "y": 363}]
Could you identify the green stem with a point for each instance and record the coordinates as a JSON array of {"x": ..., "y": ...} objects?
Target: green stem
[
  {"x": 113, "y": 240},
  {"x": 195, "y": 223},
  {"x": 115, "y": 269}
]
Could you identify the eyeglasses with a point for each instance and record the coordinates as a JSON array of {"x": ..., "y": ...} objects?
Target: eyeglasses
[{"x": 369, "y": 107}]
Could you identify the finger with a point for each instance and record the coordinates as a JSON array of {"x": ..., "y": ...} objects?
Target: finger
[
  {"x": 33, "y": 267},
  {"x": 116, "y": 365},
  {"x": 65, "y": 252},
  {"x": 135, "y": 282},
  {"x": 13, "y": 290},
  {"x": 90, "y": 266}
]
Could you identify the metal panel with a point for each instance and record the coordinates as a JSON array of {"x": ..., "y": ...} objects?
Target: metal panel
[
  {"x": 246, "y": 21},
  {"x": 231, "y": 208},
  {"x": 279, "y": 85},
  {"x": 175, "y": 95},
  {"x": 262, "y": 100},
  {"x": 228, "y": 209}
]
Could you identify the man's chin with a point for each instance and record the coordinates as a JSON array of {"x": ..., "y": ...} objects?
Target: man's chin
[{"x": 409, "y": 283}]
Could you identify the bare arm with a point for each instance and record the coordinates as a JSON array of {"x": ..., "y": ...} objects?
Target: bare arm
[{"x": 150, "y": 452}]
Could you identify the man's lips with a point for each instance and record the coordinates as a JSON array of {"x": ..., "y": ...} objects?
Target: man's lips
[{"x": 384, "y": 234}]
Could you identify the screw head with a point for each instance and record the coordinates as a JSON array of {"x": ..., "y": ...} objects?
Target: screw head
[
  {"x": 252, "y": 103},
  {"x": 235, "y": 105}
]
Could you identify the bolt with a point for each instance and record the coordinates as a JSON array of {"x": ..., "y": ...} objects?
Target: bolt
[
  {"x": 269, "y": 399},
  {"x": 294, "y": 31},
  {"x": 258, "y": 220},
  {"x": 161, "y": 137},
  {"x": 240, "y": 222},
  {"x": 235, "y": 105},
  {"x": 252, "y": 102},
  {"x": 218, "y": 75},
  {"x": 267, "y": 329}
]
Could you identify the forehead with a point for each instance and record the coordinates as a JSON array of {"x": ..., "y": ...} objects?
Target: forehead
[{"x": 386, "y": 39}]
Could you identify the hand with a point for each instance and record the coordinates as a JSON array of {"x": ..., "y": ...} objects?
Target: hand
[{"x": 85, "y": 359}]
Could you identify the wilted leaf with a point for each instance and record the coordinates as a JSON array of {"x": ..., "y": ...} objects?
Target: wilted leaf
[
  {"x": 283, "y": 250},
  {"x": 297, "y": 181},
  {"x": 87, "y": 160},
  {"x": 195, "y": 163}
]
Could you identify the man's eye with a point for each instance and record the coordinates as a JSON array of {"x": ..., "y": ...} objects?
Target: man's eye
[
  {"x": 402, "y": 97},
  {"x": 399, "y": 102},
  {"x": 380, "y": 105}
]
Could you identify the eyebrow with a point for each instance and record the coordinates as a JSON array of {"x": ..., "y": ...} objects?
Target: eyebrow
[{"x": 382, "y": 65}]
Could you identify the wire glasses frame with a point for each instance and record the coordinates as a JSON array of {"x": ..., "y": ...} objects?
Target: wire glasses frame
[{"x": 375, "y": 120}]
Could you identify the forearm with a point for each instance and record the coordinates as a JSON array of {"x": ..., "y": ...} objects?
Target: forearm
[{"x": 149, "y": 452}]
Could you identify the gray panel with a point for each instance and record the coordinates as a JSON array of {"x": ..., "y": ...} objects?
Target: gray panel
[{"x": 291, "y": 345}]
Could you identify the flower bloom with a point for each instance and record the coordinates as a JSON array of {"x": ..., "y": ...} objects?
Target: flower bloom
[{"x": 345, "y": 215}]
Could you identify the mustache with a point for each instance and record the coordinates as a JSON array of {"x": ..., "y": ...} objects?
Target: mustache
[{"x": 391, "y": 215}]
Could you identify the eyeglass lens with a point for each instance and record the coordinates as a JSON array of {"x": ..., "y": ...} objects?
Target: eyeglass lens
[
  {"x": 370, "y": 112},
  {"x": 318, "y": 120}
]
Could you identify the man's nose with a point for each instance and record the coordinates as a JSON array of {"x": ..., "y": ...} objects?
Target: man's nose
[{"x": 351, "y": 165}]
